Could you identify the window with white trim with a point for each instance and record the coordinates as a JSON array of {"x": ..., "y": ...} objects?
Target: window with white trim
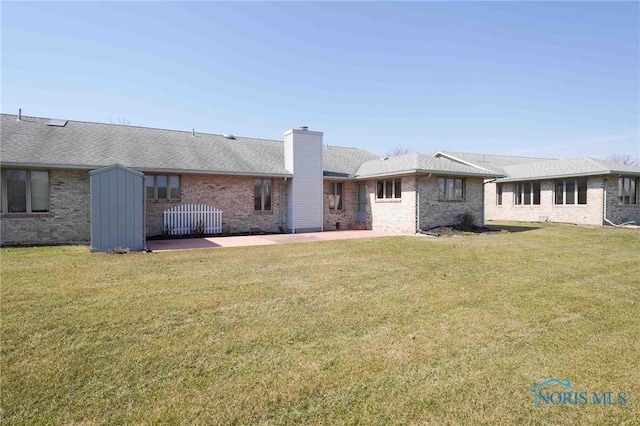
[
  {"x": 527, "y": 193},
  {"x": 450, "y": 189},
  {"x": 389, "y": 188},
  {"x": 24, "y": 191},
  {"x": 162, "y": 187},
  {"x": 628, "y": 190},
  {"x": 262, "y": 195},
  {"x": 571, "y": 191},
  {"x": 335, "y": 195},
  {"x": 499, "y": 194}
]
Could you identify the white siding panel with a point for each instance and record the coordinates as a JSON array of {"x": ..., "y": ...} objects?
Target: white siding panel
[{"x": 303, "y": 158}]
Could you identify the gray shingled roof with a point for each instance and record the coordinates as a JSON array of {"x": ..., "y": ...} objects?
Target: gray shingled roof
[
  {"x": 418, "y": 163},
  {"x": 528, "y": 168},
  {"x": 495, "y": 163},
  {"x": 565, "y": 168},
  {"x": 88, "y": 145}
]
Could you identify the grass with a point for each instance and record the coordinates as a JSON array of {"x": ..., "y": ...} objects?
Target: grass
[{"x": 402, "y": 330}]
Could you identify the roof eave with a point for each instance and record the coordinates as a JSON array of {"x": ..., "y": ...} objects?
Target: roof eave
[
  {"x": 426, "y": 172},
  {"x": 564, "y": 176},
  {"x": 9, "y": 164}
]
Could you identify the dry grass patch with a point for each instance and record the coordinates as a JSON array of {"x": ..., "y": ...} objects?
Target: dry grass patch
[{"x": 391, "y": 330}]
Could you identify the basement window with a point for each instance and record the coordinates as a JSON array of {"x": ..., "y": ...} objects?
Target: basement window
[
  {"x": 162, "y": 187},
  {"x": 24, "y": 191},
  {"x": 628, "y": 190}
]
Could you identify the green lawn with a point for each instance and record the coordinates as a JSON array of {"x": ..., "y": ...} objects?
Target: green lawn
[{"x": 402, "y": 330}]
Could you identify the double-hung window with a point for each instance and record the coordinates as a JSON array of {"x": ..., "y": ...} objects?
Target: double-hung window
[
  {"x": 499, "y": 194},
  {"x": 389, "y": 188},
  {"x": 627, "y": 190},
  {"x": 571, "y": 191},
  {"x": 24, "y": 191},
  {"x": 335, "y": 195},
  {"x": 162, "y": 187},
  {"x": 527, "y": 193},
  {"x": 262, "y": 195},
  {"x": 450, "y": 189}
]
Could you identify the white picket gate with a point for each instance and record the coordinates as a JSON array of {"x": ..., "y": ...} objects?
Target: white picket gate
[{"x": 183, "y": 219}]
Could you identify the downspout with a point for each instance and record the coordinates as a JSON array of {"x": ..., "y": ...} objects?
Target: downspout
[
  {"x": 418, "y": 201},
  {"x": 483, "y": 197},
  {"x": 604, "y": 208},
  {"x": 280, "y": 205}
]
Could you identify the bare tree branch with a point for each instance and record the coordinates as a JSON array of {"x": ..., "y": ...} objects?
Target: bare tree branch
[
  {"x": 120, "y": 120},
  {"x": 399, "y": 150},
  {"x": 627, "y": 159}
]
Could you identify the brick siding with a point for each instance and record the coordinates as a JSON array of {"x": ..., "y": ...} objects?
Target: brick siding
[
  {"x": 231, "y": 194},
  {"x": 435, "y": 212},
  {"x": 582, "y": 214},
  {"x": 68, "y": 220}
]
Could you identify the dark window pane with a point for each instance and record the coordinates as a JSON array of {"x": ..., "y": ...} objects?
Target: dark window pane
[
  {"x": 458, "y": 189},
  {"x": 536, "y": 192},
  {"x": 380, "y": 193},
  {"x": 527, "y": 192},
  {"x": 499, "y": 193},
  {"x": 149, "y": 188},
  {"x": 388, "y": 188},
  {"x": 17, "y": 191},
  {"x": 161, "y": 184},
  {"x": 560, "y": 192},
  {"x": 39, "y": 191},
  {"x": 257, "y": 194},
  {"x": 398, "y": 188},
  {"x": 582, "y": 191},
  {"x": 174, "y": 185},
  {"x": 266, "y": 193},
  {"x": 633, "y": 190},
  {"x": 450, "y": 189},
  {"x": 339, "y": 195},
  {"x": 570, "y": 192}
]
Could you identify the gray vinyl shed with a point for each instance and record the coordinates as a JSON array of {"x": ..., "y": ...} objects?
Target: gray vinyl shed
[{"x": 117, "y": 208}]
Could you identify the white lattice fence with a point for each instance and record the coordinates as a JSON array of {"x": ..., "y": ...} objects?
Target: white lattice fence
[{"x": 186, "y": 219}]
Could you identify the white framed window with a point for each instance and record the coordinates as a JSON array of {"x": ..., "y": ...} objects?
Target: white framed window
[
  {"x": 527, "y": 193},
  {"x": 571, "y": 191},
  {"x": 335, "y": 195},
  {"x": 450, "y": 189},
  {"x": 498, "y": 194},
  {"x": 262, "y": 195},
  {"x": 162, "y": 187},
  {"x": 24, "y": 191},
  {"x": 628, "y": 190},
  {"x": 389, "y": 188}
]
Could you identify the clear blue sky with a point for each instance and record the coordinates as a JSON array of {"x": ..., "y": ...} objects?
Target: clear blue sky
[{"x": 558, "y": 79}]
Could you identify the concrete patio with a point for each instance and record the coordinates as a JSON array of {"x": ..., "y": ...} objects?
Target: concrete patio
[{"x": 260, "y": 240}]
